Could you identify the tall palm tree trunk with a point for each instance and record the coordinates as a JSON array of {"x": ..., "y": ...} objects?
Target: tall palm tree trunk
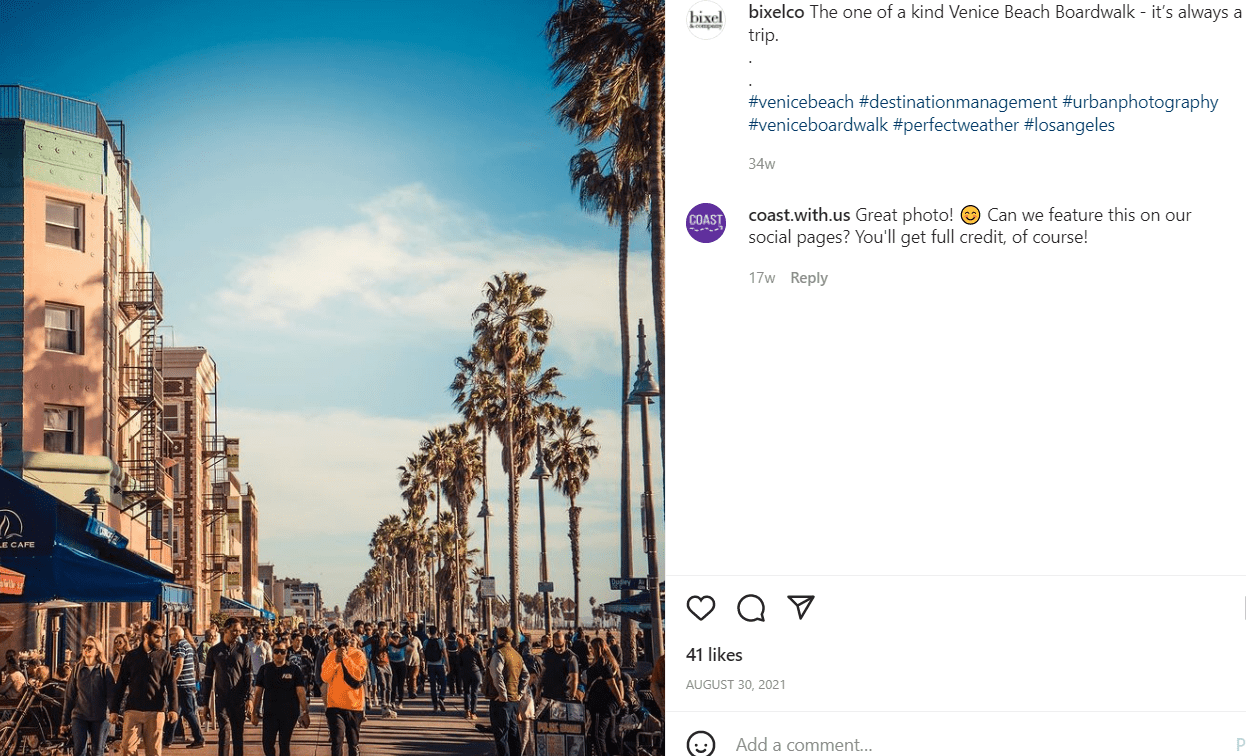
[
  {"x": 574, "y": 515},
  {"x": 625, "y": 465},
  {"x": 657, "y": 216},
  {"x": 512, "y": 496},
  {"x": 487, "y": 624}
]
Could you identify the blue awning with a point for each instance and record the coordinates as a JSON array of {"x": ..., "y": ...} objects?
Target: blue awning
[
  {"x": 236, "y": 606},
  {"x": 61, "y": 556},
  {"x": 70, "y": 574}
]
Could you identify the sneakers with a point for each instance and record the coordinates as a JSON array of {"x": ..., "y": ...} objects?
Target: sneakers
[{"x": 195, "y": 744}]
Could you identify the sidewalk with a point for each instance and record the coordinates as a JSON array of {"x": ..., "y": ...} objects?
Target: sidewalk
[{"x": 416, "y": 730}]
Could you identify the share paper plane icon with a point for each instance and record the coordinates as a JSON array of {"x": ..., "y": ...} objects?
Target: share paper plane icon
[{"x": 801, "y": 603}]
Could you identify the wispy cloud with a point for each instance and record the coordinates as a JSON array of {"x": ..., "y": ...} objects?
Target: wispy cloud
[{"x": 413, "y": 260}]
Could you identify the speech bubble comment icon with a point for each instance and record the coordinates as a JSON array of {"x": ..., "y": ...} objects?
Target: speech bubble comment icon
[
  {"x": 701, "y": 606},
  {"x": 751, "y": 608},
  {"x": 701, "y": 743}
]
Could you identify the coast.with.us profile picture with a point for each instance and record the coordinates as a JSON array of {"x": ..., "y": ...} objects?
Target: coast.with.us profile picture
[{"x": 706, "y": 222}]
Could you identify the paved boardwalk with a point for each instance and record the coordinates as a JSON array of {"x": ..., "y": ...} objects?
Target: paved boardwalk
[{"x": 417, "y": 730}]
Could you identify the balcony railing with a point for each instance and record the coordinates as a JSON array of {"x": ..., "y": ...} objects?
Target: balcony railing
[
  {"x": 142, "y": 290},
  {"x": 55, "y": 110}
]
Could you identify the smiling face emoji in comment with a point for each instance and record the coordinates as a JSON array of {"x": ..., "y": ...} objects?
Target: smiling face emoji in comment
[
  {"x": 970, "y": 215},
  {"x": 700, "y": 743}
]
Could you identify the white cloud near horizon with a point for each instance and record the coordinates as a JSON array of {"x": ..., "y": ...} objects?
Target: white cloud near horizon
[{"x": 416, "y": 262}]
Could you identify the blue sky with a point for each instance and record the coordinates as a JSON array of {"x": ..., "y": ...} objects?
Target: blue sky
[{"x": 329, "y": 185}]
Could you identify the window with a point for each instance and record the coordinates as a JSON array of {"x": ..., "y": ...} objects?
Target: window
[
  {"x": 172, "y": 417},
  {"x": 64, "y": 224},
  {"x": 176, "y": 472},
  {"x": 62, "y": 429},
  {"x": 63, "y": 327}
]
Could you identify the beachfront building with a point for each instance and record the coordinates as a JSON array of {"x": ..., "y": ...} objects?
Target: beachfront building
[{"x": 81, "y": 389}]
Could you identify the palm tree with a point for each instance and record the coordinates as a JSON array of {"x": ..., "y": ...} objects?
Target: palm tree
[
  {"x": 477, "y": 396},
  {"x": 380, "y": 550},
  {"x": 612, "y": 54},
  {"x": 460, "y": 488},
  {"x": 436, "y": 449},
  {"x": 511, "y": 329},
  {"x": 416, "y": 486},
  {"x": 620, "y": 193},
  {"x": 570, "y": 454}
]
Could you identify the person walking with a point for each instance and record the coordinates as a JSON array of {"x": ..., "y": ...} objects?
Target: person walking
[
  {"x": 210, "y": 638},
  {"x": 604, "y": 697},
  {"x": 281, "y": 690},
  {"x": 415, "y": 665},
  {"x": 186, "y": 676},
  {"x": 471, "y": 674},
  {"x": 452, "y": 663},
  {"x": 228, "y": 677},
  {"x": 260, "y": 649},
  {"x": 397, "y": 650},
  {"x": 615, "y": 649},
  {"x": 579, "y": 647},
  {"x": 146, "y": 682},
  {"x": 87, "y": 693},
  {"x": 507, "y": 680},
  {"x": 299, "y": 656},
  {"x": 435, "y": 662},
  {"x": 343, "y": 675},
  {"x": 384, "y": 678},
  {"x": 560, "y": 678}
]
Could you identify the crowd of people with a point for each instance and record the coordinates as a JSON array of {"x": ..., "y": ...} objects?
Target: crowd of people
[{"x": 157, "y": 685}]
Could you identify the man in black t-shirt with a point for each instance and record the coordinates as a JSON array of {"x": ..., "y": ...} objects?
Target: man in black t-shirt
[
  {"x": 280, "y": 689},
  {"x": 580, "y": 647},
  {"x": 562, "y": 671}
]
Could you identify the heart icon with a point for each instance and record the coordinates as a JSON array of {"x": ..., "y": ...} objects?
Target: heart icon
[{"x": 700, "y": 606}]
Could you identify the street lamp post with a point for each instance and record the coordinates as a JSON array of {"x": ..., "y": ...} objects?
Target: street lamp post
[
  {"x": 458, "y": 582},
  {"x": 487, "y": 602},
  {"x": 644, "y": 388},
  {"x": 540, "y": 475}
]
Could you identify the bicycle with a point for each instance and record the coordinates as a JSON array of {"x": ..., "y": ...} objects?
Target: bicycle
[{"x": 33, "y": 725}]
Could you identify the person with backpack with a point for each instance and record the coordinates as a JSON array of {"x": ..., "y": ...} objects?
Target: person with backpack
[
  {"x": 343, "y": 673},
  {"x": 435, "y": 661},
  {"x": 471, "y": 673},
  {"x": 85, "y": 712}
]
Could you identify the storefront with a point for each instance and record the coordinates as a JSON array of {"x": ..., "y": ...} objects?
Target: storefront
[{"x": 56, "y": 556}]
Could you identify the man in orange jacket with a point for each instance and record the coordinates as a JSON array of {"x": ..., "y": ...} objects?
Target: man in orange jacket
[{"x": 344, "y": 673}]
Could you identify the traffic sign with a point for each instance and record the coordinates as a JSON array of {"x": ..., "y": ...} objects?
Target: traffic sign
[
  {"x": 544, "y": 587},
  {"x": 488, "y": 588},
  {"x": 629, "y": 583}
]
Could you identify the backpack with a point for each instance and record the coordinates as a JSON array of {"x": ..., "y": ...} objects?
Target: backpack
[{"x": 433, "y": 652}]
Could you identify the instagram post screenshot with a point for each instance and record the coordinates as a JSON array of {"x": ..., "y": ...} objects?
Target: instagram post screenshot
[{"x": 335, "y": 350}]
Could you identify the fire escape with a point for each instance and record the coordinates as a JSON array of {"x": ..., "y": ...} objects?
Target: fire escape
[
  {"x": 142, "y": 397},
  {"x": 216, "y": 559}
]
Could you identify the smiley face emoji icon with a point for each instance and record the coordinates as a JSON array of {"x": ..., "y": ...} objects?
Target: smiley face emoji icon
[
  {"x": 970, "y": 215},
  {"x": 700, "y": 743}
]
